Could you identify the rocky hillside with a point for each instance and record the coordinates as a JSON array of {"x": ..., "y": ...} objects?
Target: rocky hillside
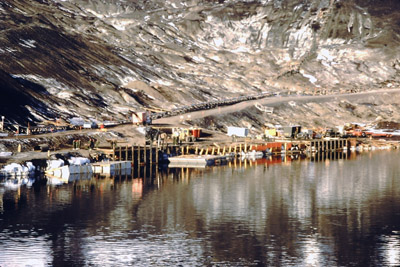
[{"x": 105, "y": 58}]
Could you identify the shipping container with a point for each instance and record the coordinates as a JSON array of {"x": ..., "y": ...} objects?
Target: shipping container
[
  {"x": 238, "y": 131},
  {"x": 270, "y": 132},
  {"x": 196, "y": 132}
]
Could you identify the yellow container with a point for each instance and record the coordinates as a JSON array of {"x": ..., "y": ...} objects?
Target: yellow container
[{"x": 270, "y": 132}]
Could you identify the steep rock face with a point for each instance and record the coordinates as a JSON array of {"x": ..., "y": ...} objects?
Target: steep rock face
[
  {"x": 17, "y": 103},
  {"x": 110, "y": 57}
]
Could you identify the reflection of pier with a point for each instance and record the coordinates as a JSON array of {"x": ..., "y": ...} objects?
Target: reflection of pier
[{"x": 331, "y": 155}]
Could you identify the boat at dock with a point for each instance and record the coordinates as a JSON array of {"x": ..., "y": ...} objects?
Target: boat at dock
[{"x": 195, "y": 161}]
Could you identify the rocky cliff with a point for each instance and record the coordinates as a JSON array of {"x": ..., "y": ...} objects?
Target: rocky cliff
[{"x": 105, "y": 58}]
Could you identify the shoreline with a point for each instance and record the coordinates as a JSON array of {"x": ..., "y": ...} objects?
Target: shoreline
[{"x": 209, "y": 146}]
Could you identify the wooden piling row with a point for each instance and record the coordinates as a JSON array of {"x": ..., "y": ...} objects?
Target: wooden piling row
[
  {"x": 329, "y": 145},
  {"x": 136, "y": 154}
]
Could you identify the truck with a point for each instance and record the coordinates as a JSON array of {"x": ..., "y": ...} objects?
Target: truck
[
  {"x": 238, "y": 131},
  {"x": 141, "y": 118},
  {"x": 185, "y": 134},
  {"x": 354, "y": 130},
  {"x": 355, "y": 133}
]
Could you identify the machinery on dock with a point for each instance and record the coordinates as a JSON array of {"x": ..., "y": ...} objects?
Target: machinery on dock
[
  {"x": 151, "y": 134},
  {"x": 291, "y": 131},
  {"x": 306, "y": 134}
]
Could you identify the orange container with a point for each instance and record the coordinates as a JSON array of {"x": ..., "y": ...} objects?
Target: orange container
[{"x": 196, "y": 132}]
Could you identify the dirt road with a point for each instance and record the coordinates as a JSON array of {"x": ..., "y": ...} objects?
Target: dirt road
[
  {"x": 272, "y": 101},
  {"x": 137, "y": 136}
]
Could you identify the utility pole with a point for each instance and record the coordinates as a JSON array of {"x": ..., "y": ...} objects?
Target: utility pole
[{"x": 2, "y": 123}]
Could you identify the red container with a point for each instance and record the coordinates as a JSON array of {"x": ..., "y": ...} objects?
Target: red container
[{"x": 196, "y": 132}]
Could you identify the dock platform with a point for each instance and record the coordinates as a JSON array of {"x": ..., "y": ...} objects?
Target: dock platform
[{"x": 111, "y": 167}]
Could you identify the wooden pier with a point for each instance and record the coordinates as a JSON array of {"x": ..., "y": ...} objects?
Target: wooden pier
[
  {"x": 140, "y": 155},
  {"x": 136, "y": 154}
]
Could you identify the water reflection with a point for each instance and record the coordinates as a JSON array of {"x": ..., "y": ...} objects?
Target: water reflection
[
  {"x": 271, "y": 211},
  {"x": 390, "y": 249}
]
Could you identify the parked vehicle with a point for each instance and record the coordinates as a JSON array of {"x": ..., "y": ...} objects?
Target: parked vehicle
[
  {"x": 90, "y": 125},
  {"x": 355, "y": 133},
  {"x": 185, "y": 134}
]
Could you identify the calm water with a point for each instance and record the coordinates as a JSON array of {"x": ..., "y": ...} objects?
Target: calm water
[{"x": 342, "y": 212}]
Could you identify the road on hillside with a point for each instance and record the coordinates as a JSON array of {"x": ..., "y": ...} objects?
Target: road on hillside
[
  {"x": 269, "y": 101},
  {"x": 126, "y": 129}
]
